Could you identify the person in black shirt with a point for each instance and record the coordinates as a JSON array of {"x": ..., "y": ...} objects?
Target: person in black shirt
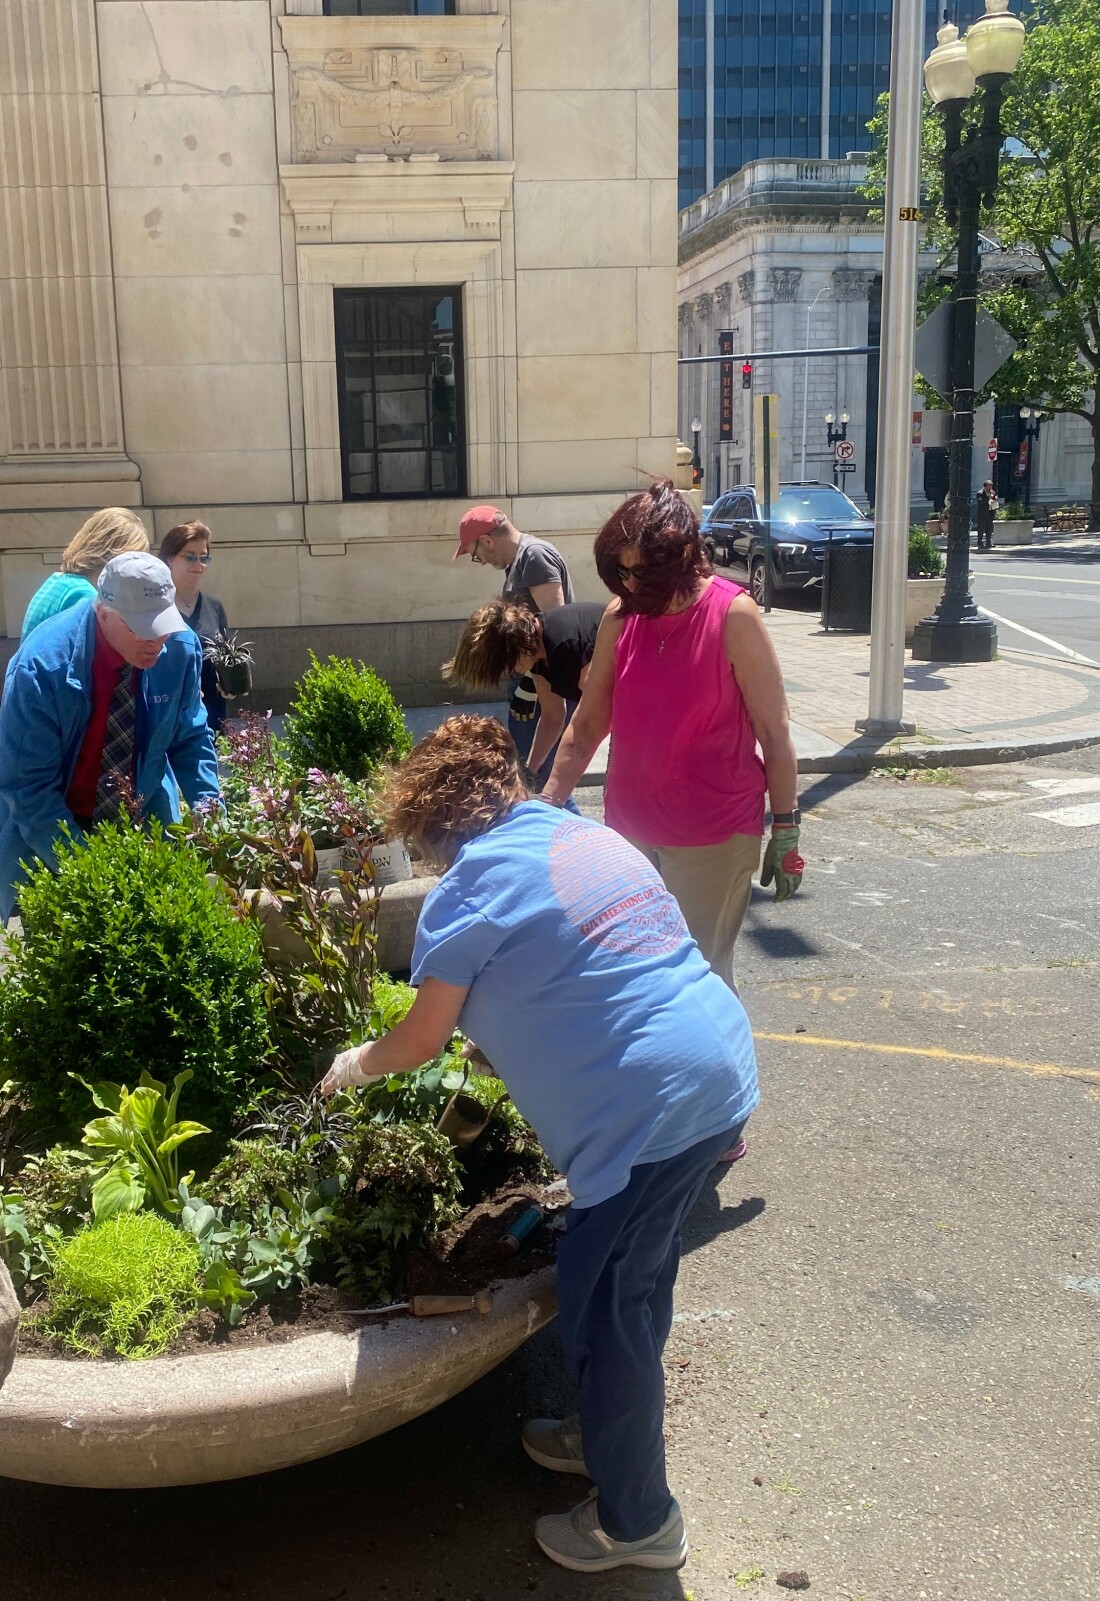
[{"x": 503, "y": 639}]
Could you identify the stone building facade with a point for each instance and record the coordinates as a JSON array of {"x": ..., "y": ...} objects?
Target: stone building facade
[
  {"x": 785, "y": 255},
  {"x": 324, "y": 281}
]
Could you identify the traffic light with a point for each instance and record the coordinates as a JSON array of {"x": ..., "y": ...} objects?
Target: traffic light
[{"x": 746, "y": 375}]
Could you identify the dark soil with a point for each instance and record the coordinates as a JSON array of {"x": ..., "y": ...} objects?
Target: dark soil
[{"x": 463, "y": 1259}]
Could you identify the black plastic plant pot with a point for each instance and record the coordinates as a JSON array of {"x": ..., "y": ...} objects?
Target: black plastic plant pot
[{"x": 235, "y": 678}]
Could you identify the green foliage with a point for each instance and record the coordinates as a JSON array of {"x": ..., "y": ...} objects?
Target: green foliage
[
  {"x": 345, "y": 720},
  {"x": 1012, "y": 511},
  {"x": 57, "y": 1187},
  {"x": 249, "y": 1259},
  {"x": 142, "y": 1135},
  {"x": 402, "y": 1186},
  {"x": 925, "y": 556},
  {"x": 27, "y": 1249},
  {"x": 254, "y": 1171},
  {"x": 129, "y": 959},
  {"x": 126, "y": 1286},
  {"x": 417, "y": 1097},
  {"x": 391, "y": 1002},
  {"x": 1044, "y": 212},
  {"x": 306, "y": 1124}
]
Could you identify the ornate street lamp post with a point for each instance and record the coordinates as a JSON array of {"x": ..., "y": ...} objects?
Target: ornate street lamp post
[
  {"x": 956, "y": 631},
  {"x": 1032, "y": 420},
  {"x": 835, "y": 435},
  {"x": 696, "y": 459}
]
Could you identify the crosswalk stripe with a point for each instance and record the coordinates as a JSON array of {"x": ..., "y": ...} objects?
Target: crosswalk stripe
[
  {"x": 1056, "y": 787},
  {"x": 1074, "y": 816}
]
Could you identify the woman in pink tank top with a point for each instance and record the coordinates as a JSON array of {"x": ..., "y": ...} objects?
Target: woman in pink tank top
[{"x": 687, "y": 682}]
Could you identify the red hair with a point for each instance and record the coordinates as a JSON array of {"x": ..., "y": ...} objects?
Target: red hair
[{"x": 661, "y": 526}]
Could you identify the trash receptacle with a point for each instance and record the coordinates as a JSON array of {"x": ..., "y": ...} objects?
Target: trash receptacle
[{"x": 846, "y": 587}]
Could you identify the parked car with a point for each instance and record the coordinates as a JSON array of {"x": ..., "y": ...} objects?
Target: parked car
[{"x": 805, "y": 517}]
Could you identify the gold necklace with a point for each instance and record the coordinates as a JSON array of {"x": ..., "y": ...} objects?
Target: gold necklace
[{"x": 663, "y": 642}]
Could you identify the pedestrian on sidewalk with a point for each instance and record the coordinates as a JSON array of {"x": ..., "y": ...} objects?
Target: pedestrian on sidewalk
[
  {"x": 633, "y": 1090},
  {"x": 685, "y": 673},
  {"x": 985, "y": 514},
  {"x": 535, "y": 576},
  {"x": 505, "y": 640},
  {"x": 185, "y": 550},
  {"x": 101, "y": 710}
]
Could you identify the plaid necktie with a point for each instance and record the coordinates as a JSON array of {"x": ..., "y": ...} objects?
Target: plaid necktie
[{"x": 118, "y": 751}]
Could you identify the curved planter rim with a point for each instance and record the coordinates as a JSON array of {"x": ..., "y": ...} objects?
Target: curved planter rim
[{"x": 226, "y": 1415}]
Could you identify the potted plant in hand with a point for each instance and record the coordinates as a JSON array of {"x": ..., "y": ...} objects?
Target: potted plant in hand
[
  {"x": 925, "y": 583},
  {"x": 231, "y": 659}
]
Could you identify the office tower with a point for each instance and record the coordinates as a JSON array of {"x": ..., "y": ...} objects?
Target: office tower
[{"x": 793, "y": 78}]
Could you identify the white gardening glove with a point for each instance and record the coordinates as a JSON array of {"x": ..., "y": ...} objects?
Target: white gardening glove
[{"x": 345, "y": 1072}]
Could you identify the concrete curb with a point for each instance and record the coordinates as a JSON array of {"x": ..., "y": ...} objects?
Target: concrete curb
[
  {"x": 229, "y": 1414},
  {"x": 982, "y": 755}
]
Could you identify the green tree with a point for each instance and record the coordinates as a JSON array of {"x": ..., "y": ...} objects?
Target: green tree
[{"x": 1047, "y": 209}]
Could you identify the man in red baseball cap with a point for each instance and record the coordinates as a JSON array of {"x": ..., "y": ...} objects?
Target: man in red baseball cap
[{"x": 535, "y": 575}]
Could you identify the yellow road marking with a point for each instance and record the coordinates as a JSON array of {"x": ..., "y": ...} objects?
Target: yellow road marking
[{"x": 936, "y": 1053}]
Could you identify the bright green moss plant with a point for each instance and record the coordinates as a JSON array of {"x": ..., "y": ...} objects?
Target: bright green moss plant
[{"x": 125, "y": 1287}]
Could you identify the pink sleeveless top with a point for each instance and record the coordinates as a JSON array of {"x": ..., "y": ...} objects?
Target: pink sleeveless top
[{"x": 684, "y": 768}]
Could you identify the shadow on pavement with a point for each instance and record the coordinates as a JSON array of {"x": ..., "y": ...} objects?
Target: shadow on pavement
[{"x": 710, "y": 1218}]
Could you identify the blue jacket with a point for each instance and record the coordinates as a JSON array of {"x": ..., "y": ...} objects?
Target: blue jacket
[{"x": 44, "y": 713}]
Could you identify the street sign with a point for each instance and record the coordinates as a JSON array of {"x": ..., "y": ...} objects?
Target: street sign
[
  {"x": 932, "y": 349},
  {"x": 845, "y": 466},
  {"x": 845, "y": 450},
  {"x": 994, "y": 450}
]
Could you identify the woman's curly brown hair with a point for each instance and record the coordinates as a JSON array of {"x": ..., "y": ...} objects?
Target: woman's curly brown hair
[
  {"x": 455, "y": 785},
  {"x": 662, "y": 527},
  {"x": 493, "y": 640}
]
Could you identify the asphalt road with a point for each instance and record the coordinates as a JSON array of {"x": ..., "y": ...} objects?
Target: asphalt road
[
  {"x": 1049, "y": 590},
  {"x": 883, "y": 1370}
]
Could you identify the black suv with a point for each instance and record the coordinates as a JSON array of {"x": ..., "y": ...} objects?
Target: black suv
[{"x": 804, "y": 519}]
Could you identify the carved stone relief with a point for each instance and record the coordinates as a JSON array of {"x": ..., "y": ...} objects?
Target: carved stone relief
[
  {"x": 703, "y": 304},
  {"x": 785, "y": 282},
  {"x": 851, "y": 283},
  {"x": 723, "y": 299},
  {"x": 685, "y": 314},
  {"x": 746, "y": 285},
  {"x": 368, "y": 98}
]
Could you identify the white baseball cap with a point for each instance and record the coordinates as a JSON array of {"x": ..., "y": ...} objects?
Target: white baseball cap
[{"x": 139, "y": 588}]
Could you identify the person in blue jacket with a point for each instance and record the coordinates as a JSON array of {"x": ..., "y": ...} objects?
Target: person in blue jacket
[
  {"x": 102, "y": 712},
  {"x": 556, "y": 945}
]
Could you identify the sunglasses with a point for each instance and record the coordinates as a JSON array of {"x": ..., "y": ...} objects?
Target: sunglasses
[
  {"x": 638, "y": 573},
  {"x": 197, "y": 561}
]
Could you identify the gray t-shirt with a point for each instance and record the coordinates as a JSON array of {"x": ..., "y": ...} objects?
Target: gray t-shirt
[{"x": 535, "y": 562}]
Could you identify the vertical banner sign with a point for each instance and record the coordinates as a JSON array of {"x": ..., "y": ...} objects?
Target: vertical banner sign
[{"x": 725, "y": 387}]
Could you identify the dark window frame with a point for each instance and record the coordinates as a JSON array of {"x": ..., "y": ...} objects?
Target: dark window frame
[
  {"x": 391, "y": 11},
  {"x": 402, "y": 291}
]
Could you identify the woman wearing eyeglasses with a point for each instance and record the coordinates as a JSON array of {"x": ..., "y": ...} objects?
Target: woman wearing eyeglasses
[
  {"x": 686, "y": 680},
  {"x": 186, "y": 551}
]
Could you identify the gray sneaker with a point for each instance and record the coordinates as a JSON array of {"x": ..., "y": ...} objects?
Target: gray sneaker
[
  {"x": 575, "y": 1540},
  {"x": 554, "y": 1445}
]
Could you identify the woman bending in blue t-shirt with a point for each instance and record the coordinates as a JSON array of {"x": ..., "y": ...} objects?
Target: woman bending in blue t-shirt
[{"x": 555, "y": 944}]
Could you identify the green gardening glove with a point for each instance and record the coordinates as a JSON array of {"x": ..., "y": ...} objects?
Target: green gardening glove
[{"x": 783, "y": 863}]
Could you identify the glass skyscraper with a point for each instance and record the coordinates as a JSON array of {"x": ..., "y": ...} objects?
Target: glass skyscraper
[{"x": 763, "y": 78}]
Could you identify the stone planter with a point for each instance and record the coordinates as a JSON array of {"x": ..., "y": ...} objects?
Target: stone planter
[
  {"x": 232, "y": 1413},
  {"x": 922, "y": 596},
  {"x": 935, "y": 527},
  {"x": 9, "y": 1324},
  {"x": 1013, "y": 531}
]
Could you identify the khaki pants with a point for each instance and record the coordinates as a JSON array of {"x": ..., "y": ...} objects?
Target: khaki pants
[{"x": 711, "y": 884}]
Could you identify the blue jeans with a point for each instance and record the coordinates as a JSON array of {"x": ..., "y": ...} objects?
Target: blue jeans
[
  {"x": 523, "y": 733},
  {"x": 617, "y": 1265}
]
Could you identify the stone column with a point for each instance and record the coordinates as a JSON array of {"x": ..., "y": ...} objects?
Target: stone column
[{"x": 61, "y": 434}]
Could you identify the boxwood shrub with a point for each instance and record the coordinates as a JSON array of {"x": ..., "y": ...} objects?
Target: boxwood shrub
[
  {"x": 345, "y": 720},
  {"x": 129, "y": 959}
]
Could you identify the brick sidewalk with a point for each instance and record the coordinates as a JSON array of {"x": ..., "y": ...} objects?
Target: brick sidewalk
[{"x": 1017, "y": 697}]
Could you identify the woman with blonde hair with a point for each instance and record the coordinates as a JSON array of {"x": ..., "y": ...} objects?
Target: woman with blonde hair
[
  {"x": 555, "y": 944},
  {"x": 107, "y": 533},
  {"x": 506, "y": 640}
]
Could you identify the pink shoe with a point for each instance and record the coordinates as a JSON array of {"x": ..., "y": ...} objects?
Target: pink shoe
[{"x": 735, "y": 1152}]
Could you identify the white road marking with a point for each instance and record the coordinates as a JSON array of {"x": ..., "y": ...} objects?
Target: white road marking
[
  {"x": 1030, "y": 578},
  {"x": 1074, "y": 816},
  {"x": 1064, "y": 650},
  {"x": 1053, "y": 787}
]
